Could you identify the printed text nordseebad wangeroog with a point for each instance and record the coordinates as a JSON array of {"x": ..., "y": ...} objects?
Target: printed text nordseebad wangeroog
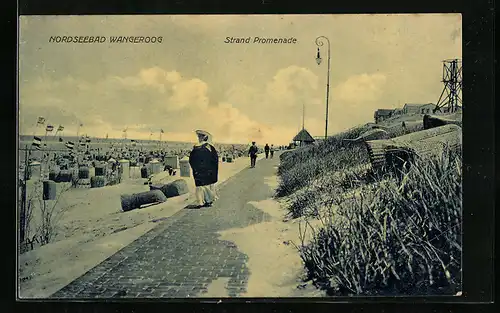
[{"x": 103, "y": 39}]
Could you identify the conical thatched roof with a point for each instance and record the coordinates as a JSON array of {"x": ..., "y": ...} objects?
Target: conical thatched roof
[{"x": 304, "y": 136}]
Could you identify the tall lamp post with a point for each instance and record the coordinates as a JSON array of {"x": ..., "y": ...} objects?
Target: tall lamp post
[{"x": 319, "y": 43}]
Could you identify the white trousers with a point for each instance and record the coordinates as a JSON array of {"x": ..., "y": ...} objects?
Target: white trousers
[{"x": 206, "y": 194}]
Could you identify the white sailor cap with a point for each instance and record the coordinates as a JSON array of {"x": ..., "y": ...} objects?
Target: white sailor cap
[{"x": 202, "y": 132}]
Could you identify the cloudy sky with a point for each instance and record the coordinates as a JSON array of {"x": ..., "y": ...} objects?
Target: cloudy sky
[{"x": 238, "y": 92}]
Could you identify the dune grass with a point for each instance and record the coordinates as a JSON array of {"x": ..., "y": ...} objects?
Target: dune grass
[
  {"x": 300, "y": 167},
  {"x": 398, "y": 235}
]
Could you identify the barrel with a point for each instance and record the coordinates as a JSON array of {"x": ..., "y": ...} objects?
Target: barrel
[
  {"x": 97, "y": 182},
  {"x": 53, "y": 175},
  {"x": 176, "y": 188},
  {"x": 64, "y": 176},
  {"x": 229, "y": 159},
  {"x": 185, "y": 168},
  {"x": 83, "y": 172},
  {"x": 49, "y": 190},
  {"x": 134, "y": 201}
]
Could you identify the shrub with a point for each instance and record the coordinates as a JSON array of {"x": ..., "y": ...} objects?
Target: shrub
[
  {"x": 42, "y": 217},
  {"x": 324, "y": 149},
  {"x": 303, "y": 204},
  {"x": 299, "y": 167},
  {"x": 405, "y": 240},
  {"x": 298, "y": 176}
]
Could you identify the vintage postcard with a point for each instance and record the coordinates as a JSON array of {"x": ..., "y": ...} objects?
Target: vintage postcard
[{"x": 215, "y": 156}]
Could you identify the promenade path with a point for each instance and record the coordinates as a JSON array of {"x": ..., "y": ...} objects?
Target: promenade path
[{"x": 182, "y": 255}]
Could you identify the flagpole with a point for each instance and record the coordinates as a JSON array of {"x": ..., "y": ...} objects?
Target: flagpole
[
  {"x": 159, "y": 144},
  {"x": 77, "y": 141},
  {"x": 78, "y": 130},
  {"x": 36, "y": 127}
]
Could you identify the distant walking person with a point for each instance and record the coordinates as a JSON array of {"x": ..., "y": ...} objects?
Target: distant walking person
[
  {"x": 266, "y": 150},
  {"x": 204, "y": 161},
  {"x": 252, "y": 152},
  {"x": 272, "y": 151}
]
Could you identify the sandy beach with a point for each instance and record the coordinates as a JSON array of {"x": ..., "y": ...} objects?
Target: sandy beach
[{"x": 93, "y": 227}]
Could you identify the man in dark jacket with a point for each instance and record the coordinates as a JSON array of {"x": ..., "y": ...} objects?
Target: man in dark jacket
[
  {"x": 252, "y": 152},
  {"x": 266, "y": 150},
  {"x": 204, "y": 161}
]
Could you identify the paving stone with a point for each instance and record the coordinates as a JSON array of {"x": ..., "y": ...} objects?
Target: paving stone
[{"x": 182, "y": 255}]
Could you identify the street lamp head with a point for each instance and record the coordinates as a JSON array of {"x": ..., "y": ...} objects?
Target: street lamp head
[{"x": 318, "y": 58}]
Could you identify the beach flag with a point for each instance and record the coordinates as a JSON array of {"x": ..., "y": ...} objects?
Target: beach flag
[
  {"x": 70, "y": 145},
  {"x": 81, "y": 125},
  {"x": 133, "y": 142},
  {"x": 37, "y": 142},
  {"x": 161, "y": 131},
  {"x": 60, "y": 128},
  {"x": 49, "y": 128},
  {"x": 41, "y": 120}
]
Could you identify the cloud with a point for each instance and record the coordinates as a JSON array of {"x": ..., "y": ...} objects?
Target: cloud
[
  {"x": 152, "y": 99},
  {"x": 156, "y": 98},
  {"x": 360, "y": 88},
  {"x": 190, "y": 94},
  {"x": 238, "y": 92},
  {"x": 280, "y": 100},
  {"x": 292, "y": 85}
]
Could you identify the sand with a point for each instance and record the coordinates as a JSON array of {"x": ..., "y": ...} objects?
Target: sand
[
  {"x": 92, "y": 228},
  {"x": 275, "y": 265}
]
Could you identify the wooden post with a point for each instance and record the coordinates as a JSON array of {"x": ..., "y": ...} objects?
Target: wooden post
[{"x": 22, "y": 214}]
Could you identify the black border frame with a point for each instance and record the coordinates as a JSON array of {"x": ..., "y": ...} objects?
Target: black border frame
[{"x": 478, "y": 126}]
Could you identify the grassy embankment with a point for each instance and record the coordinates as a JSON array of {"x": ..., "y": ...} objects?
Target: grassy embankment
[{"x": 396, "y": 233}]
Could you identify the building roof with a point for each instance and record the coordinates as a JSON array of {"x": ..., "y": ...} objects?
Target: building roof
[
  {"x": 415, "y": 105},
  {"x": 303, "y": 135},
  {"x": 383, "y": 112}
]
